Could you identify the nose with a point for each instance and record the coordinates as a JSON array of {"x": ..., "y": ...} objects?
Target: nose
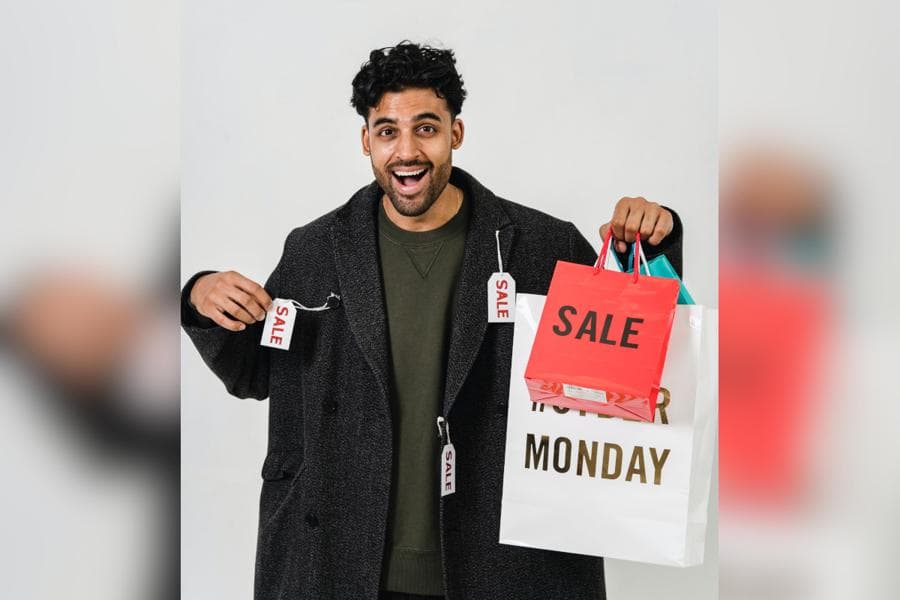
[{"x": 407, "y": 148}]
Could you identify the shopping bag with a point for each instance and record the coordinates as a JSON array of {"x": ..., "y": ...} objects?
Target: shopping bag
[
  {"x": 772, "y": 470},
  {"x": 585, "y": 483},
  {"x": 659, "y": 266},
  {"x": 601, "y": 343}
]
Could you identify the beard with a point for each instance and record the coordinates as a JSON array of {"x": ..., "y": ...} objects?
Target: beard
[{"x": 414, "y": 206}]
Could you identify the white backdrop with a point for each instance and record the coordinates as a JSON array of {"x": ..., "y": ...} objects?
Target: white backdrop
[
  {"x": 89, "y": 148},
  {"x": 569, "y": 109}
]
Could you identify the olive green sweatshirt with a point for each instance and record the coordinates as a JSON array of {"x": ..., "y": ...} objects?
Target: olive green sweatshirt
[{"x": 420, "y": 272}]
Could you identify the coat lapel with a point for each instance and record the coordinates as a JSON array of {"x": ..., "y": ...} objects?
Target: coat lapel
[
  {"x": 354, "y": 237},
  {"x": 479, "y": 262}
]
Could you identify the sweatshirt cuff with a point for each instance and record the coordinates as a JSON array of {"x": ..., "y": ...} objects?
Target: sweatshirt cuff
[{"x": 190, "y": 316}]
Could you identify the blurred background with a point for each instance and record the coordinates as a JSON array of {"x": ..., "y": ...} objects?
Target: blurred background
[
  {"x": 90, "y": 158},
  {"x": 809, "y": 451},
  {"x": 90, "y": 153}
]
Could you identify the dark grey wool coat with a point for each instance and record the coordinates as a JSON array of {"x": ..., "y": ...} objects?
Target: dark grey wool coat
[{"x": 327, "y": 475}]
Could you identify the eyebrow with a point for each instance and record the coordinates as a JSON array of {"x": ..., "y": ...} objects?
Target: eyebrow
[
  {"x": 419, "y": 117},
  {"x": 427, "y": 115},
  {"x": 381, "y": 120}
]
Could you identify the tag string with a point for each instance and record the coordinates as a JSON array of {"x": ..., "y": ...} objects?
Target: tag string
[
  {"x": 499, "y": 258},
  {"x": 328, "y": 304},
  {"x": 441, "y": 430}
]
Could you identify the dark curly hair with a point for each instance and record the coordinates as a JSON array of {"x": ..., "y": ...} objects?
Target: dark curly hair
[{"x": 407, "y": 65}]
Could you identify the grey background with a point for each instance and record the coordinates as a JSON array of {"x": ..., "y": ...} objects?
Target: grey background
[
  {"x": 569, "y": 109},
  {"x": 89, "y": 148}
]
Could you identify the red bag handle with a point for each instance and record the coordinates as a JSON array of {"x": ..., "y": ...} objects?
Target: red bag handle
[{"x": 607, "y": 240}]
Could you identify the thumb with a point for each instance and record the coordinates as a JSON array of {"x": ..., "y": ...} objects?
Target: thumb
[
  {"x": 619, "y": 245},
  {"x": 603, "y": 229}
]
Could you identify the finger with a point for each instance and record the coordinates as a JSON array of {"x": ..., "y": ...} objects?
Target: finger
[
  {"x": 233, "y": 289},
  {"x": 248, "y": 304},
  {"x": 617, "y": 246},
  {"x": 648, "y": 223},
  {"x": 633, "y": 223},
  {"x": 620, "y": 216},
  {"x": 225, "y": 322},
  {"x": 237, "y": 311},
  {"x": 663, "y": 227},
  {"x": 257, "y": 291},
  {"x": 603, "y": 229},
  {"x": 263, "y": 298}
]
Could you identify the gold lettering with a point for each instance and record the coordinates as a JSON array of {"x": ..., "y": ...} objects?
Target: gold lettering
[
  {"x": 587, "y": 459},
  {"x": 658, "y": 463},
  {"x": 536, "y": 452},
  {"x": 607, "y": 448},
  {"x": 661, "y": 407},
  {"x": 636, "y": 467},
  {"x": 537, "y": 456},
  {"x": 567, "y": 454}
]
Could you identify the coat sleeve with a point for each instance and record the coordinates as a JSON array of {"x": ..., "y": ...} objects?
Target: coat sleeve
[
  {"x": 235, "y": 357},
  {"x": 580, "y": 250}
]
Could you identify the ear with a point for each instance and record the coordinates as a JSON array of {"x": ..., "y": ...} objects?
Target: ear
[
  {"x": 457, "y": 132},
  {"x": 365, "y": 141}
]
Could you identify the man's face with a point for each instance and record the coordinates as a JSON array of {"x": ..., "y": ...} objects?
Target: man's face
[{"x": 410, "y": 137}]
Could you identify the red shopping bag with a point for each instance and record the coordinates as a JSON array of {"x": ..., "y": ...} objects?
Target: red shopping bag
[{"x": 601, "y": 342}]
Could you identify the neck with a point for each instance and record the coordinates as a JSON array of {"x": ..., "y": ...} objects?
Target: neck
[{"x": 443, "y": 209}]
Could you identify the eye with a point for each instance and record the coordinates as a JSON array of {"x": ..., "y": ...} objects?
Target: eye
[
  {"x": 427, "y": 129},
  {"x": 386, "y": 132}
]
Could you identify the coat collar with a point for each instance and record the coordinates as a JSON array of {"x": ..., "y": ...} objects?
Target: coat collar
[{"x": 355, "y": 241}]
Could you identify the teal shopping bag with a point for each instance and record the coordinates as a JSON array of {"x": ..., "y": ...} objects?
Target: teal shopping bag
[{"x": 661, "y": 267}]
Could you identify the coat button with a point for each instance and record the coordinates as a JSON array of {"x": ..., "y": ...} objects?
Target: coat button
[
  {"x": 501, "y": 408},
  {"x": 331, "y": 407},
  {"x": 311, "y": 520}
]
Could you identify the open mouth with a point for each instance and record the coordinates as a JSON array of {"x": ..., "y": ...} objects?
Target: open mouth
[{"x": 408, "y": 178}]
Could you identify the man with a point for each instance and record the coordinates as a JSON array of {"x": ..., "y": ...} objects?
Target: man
[{"x": 350, "y": 506}]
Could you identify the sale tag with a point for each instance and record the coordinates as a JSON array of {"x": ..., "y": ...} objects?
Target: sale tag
[
  {"x": 501, "y": 298},
  {"x": 448, "y": 458},
  {"x": 448, "y": 470},
  {"x": 279, "y": 325}
]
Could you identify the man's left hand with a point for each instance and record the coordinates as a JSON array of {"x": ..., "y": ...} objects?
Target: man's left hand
[{"x": 638, "y": 214}]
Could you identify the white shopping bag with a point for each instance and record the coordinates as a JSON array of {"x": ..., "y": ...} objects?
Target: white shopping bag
[{"x": 604, "y": 486}]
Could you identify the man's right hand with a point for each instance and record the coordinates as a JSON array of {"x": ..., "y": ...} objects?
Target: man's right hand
[{"x": 230, "y": 292}]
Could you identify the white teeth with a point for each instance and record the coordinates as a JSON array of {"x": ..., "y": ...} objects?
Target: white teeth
[{"x": 408, "y": 173}]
